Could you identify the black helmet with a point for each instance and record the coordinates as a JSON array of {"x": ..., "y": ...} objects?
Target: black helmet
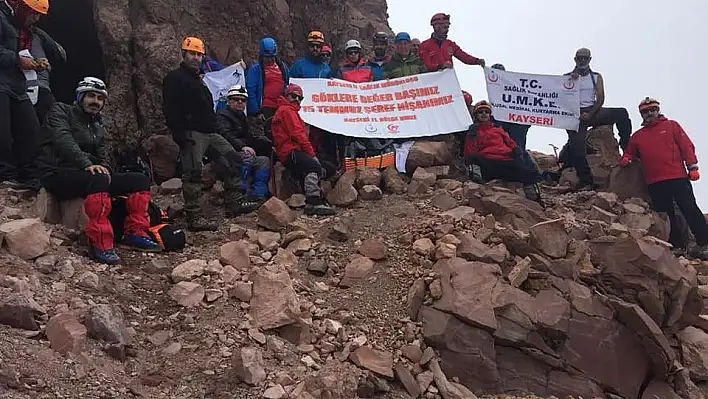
[{"x": 380, "y": 37}]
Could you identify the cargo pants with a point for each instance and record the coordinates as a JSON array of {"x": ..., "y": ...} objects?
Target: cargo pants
[{"x": 217, "y": 148}]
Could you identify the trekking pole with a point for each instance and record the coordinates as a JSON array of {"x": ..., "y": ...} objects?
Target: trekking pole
[{"x": 555, "y": 151}]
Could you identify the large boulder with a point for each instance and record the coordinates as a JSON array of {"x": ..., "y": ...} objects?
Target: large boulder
[
  {"x": 274, "y": 302},
  {"x": 426, "y": 153},
  {"x": 507, "y": 207}
]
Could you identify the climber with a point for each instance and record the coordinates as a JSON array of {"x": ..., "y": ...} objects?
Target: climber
[
  {"x": 404, "y": 62},
  {"x": 75, "y": 163},
  {"x": 266, "y": 80},
  {"x": 415, "y": 45},
  {"x": 592, "y": 97},
  {"x": 669, "y": 160},
  {"x": 468, "y": 101},
  {"x": 437, "y": 52},
  {"x": 19, "y": 125},
  {"x": 189, "y": 111},
  {"x": 296, "y": 152},
  {"x": 517, "y": 132},
  {"x": 256, "y": 150},
  {"x": 491, "y": 154},
  {"x": 354, "y": 68},
  {"x": 312, "y": 65},
  {"x": 326, "y": 54},
  {"x": 45, "y": 51},
  {"x": 380, "y": 57}
]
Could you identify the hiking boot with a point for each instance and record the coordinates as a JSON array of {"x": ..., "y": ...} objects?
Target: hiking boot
[
  {"x": 242, "y": 207},
  {"x": 475, "y": 174},
  {"x": 317, "y": 206},
  {"x": 531, "y": 192},
  {"x": 28, "y": 184},
  {"x": 200, "y": 223},
  {"x": 140, "y": 243},
  {"x": 107, "y": 256}
]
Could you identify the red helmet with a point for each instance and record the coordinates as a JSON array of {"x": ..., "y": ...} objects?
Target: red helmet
[
  {"x": 468, "y": 98},
  {"x": 440, "y": 18},
  {"x": 294, "y": 89}
]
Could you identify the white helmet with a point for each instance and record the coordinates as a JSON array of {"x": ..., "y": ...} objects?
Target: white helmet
[
  {"x": 352, "y": 44},
  {"x": 237, "y": 91},
  {"x": 91, "y": 84}
]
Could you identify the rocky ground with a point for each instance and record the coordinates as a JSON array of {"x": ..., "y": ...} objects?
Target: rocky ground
[{"x": 281, "y": 305}]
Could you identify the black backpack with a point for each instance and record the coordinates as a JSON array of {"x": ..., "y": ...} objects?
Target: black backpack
[{"x": 169, "y": 236}]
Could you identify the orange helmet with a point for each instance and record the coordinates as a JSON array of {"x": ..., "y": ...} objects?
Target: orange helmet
[
  {"x": 482, "y": 105},
  {"x": 648, "y": 103},
  {"x": 193, "y": 44},
  {"x": 468, "y": 98},
  {"x": 315, "y": 37},
  {"x": 40, "y": 6}
]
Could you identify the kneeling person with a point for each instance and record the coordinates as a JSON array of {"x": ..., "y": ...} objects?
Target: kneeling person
[
  {"x": 491, "y": 154},
  {"x": 75, "y": 164},
  {"x": 233, "y": 126},
  {"x": 296, "y": 152}
]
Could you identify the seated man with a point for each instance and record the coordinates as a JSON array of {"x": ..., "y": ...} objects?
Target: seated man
[
  {"x": 74, "y": 161},
  {"x": 233, "y": 126},
  {"x": 491, "y": 154},
  {"x": 296, "y": 152}
]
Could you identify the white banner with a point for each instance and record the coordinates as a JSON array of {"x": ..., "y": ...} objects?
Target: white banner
[
  {"x": 527, "y": 99},
  {"x": 219, "y": 82},
  {"x": 415, "y": 106}
]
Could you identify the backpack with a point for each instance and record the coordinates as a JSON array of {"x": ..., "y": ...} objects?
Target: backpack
[
  {"x": 371, "y": 152},
  {"x": 169, "y": 236}
]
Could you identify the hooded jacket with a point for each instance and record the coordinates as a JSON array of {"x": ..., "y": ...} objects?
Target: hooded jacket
[
  {"x": 309, "y": 67},
  {"x": 187, "y": 103},
  {"x": 434, "y": 53},
  {"x": 356, "y": 73},
  {"x": 398, "y": 67},
  {"x": 665, "y": 150},
  {"x": 12, "y": 80},
  {"x": 289, "y": 132},
  {"x": 233, "y": 126},
  {"x": 76, "y": 140},
  {"x": 255, "y": 77},
  {"x": 489, "y": 141}
]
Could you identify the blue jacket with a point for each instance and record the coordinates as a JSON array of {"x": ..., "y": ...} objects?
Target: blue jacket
[
  {"x": 254, "y": 84},
  {"x": 211, "y": 65},
  {"x": 306, "y": 67},
  {"x": 378, "y": 69}
]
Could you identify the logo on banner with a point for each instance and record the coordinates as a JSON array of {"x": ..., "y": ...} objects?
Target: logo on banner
[
  {"x": 569, "y": 84},
  {"x": 492, "y": 76},
  {"x": 393, "y": 128},
  {"x": 370, "y": 128}
]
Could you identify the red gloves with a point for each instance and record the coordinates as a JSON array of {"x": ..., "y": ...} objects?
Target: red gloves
[
  {"x": 693, "y": 174},
  {"x": 625, "y": 161}
]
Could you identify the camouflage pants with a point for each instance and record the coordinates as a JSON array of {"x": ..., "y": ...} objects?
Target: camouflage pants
[{"x": 217, "y": 149}]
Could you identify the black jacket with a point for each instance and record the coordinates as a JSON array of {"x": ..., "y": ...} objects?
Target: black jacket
[
  {"x": 74, "y": 140},
  {"x": 187, "y": 103},
  {"x": 12, "y": 80},
  {"x": 234, "y": 127}
]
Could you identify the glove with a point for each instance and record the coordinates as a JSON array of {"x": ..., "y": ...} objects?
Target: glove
[
  {"x": 625, "y": 161},
  {"x": 693, "y": 174}
]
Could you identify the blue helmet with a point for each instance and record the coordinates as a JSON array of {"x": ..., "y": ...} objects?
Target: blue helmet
[
  {"x": 268, "y": 47},
  {"x": 402, "y": 36}
]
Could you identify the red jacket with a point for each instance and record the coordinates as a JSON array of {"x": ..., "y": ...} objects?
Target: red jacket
[
  {"x": 434, "y": 54},
  {"x": 664, "y": 149},
  {"x": 358, "y": 73},
  {"x": 489, "y": 141},
  {"x": 289, "y": 131}
]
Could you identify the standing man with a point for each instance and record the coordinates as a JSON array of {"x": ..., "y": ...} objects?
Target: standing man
[
  {"x": 189, "y": 110},
  {"x": 669, "y": 160},
  {"x": 592, "y": 97},
  {"x": 437, "y": 52},
  {"x": 404, "y": 62},
  {"x": 266, "y": 81},
  {"x": 354, "y": 68},
  {"x": 19, "y": 126},
  {"x": 312, "y": 65},
  {"x": 380, "y": 58}
]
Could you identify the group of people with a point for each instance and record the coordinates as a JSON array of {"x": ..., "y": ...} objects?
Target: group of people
[{"x": 62, "y": 146}]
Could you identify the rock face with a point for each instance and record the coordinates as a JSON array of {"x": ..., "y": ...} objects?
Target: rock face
[{"x": 140, "y": 43}]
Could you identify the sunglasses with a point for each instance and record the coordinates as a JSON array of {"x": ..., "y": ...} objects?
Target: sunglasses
[
  {"x": 583, "y": 58},
  {"x": 484, "y": 111},
  {"x": 237, "y": 99},
  {"x": 315, "y": 45},
  {"x": 326, "y": 54},
  {"x": 296, "y": 97},
  {"x": 649, "y": 110},
  {"x": 350, "y": 52}
]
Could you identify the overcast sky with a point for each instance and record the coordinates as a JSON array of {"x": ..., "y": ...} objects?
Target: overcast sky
[{"x": 647, "y": 48}]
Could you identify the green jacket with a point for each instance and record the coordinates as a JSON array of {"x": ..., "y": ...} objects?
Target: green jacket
[
  {"x": 73, "y": 140},
  {"x": 398, "y": 67}
]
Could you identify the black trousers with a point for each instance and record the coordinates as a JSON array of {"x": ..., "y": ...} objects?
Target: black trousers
[
  {"x": 45, "y": 100},
  {"x": 664, "y": 193},
  {"x": 306, "y": 169},
  {"x": 19, "y": 138},
  {"x": 69, "y": 184},
  {"x": 512, "y": 171}
]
